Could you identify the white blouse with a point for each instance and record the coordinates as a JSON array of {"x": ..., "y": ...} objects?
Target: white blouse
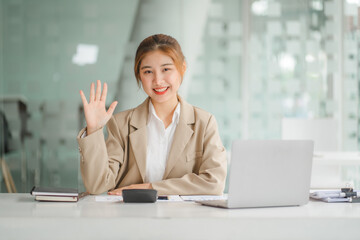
[{"x": 159, "y": 142}]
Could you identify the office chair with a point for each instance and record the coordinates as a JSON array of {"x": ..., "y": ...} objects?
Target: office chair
[
  {"x": 4, "y": 148},
  {"x": 9, "y": 182}
]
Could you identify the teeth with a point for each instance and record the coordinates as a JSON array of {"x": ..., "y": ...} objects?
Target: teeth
[{"x": 160, "y": 89}]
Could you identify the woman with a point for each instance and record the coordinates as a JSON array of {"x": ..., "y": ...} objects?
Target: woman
[{"x": 164, "y": 144}]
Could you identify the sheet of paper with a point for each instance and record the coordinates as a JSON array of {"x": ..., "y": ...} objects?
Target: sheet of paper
[
  {"x": 108, "y": 198},
  {"x": 329, "y": 196},
  {"x": 203, "y": 197},
  {"x": 114, "y": 198},
  {"x": 172, "y": 198}
]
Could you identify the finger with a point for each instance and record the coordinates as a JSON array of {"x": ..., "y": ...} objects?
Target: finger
[
  {"x": 115, "y": 192},
  {"x": 83, "y": 98},
  {"x": 92, "y": 92},
  {"x": 98, "y": 90},
  {"x": 104, "y": 93},
  {"x": 112, "y": 107}
]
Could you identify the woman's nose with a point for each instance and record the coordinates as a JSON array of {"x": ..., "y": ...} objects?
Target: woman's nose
[{"x": 157, "y": 78}]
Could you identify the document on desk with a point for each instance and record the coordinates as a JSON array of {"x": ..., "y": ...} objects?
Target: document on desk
[
  {"x": 333, "y": 196},
  {"x": 169, "y": 198},
  {"x": 108, "y": 198},
  {"x": 203, "y": 197},
  {"x": 115, "y": 198}
]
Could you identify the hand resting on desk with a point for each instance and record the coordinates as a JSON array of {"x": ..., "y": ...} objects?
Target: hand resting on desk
[{"x": 118, "y": 191}]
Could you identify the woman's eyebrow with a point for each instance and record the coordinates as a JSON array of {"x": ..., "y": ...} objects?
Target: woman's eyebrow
[
  {"x": 165, "y": 64},
  {"x": 145, "y": 67}
]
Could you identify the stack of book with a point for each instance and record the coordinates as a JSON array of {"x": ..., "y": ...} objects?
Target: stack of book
[
  {"x": 343, "y": 195},
  {"x": 55, "y": 194}
]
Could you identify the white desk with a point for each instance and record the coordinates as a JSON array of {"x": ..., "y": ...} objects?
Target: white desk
[{"x": 21, "y": 217}]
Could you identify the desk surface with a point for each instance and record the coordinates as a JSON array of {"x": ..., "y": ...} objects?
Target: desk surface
[{"x": 22, "y": 217}]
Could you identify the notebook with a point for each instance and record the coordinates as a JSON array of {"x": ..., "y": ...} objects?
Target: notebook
[
  {"x": 268, "y": 173},
  {"x": 57, "y": 194}
]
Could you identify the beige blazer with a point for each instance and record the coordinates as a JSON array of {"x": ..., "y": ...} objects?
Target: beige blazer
[{"x": 196, "y": 163}]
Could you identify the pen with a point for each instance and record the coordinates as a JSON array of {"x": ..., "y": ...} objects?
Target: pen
[
  {"x": 163, "y": 198},
  {"x": 336, "y": 194},
  {"x": 337, "y": 199}
]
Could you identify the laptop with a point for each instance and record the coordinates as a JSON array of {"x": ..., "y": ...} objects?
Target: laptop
[{"x": 268, "y": 173}]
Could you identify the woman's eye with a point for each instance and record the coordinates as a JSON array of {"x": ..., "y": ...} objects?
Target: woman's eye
[
  {"x": 166, "y": 69},
  {"x": 147, "y": 72}
]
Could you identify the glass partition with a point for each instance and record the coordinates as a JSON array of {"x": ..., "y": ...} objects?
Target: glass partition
[
  {"x": 49, "y": 51},
  {"x": 254, "y": 64}
]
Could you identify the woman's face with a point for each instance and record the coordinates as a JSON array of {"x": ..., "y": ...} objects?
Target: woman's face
[{"x": 159, "y": 77}]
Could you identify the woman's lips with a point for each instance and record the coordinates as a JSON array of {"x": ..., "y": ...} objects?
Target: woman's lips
[{"x": 160, "y": 91}]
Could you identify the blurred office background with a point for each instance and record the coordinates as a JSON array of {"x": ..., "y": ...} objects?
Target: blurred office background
[{"x": 267, "y": 69}]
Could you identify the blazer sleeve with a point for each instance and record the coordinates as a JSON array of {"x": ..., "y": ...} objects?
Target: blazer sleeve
[
  {"x": 212, "y": 172},
  {"x": 100, "y": 161}
]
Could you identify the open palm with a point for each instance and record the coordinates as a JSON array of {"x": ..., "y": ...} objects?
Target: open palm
[{"x": 96, "y": 115}]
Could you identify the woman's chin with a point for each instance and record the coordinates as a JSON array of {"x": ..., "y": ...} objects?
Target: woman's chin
[{"x": 163, "y": 98}]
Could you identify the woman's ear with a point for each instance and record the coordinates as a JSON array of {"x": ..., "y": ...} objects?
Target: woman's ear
[
  {"x": 183, "y": 71},
  {"x": 184, "y": 67}
]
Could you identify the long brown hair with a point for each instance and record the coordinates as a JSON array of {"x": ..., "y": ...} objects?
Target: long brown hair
[{"x": 163, "y": 43}]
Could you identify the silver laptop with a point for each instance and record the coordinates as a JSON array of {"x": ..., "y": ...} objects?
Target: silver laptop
[{"x": 268, "y": 173}]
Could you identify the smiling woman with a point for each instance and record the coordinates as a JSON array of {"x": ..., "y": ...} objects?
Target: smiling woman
[
  {"x": 160, "y": 80},
  {"x": 164, "y": 143},
  {"x": 164, "y": 44}
]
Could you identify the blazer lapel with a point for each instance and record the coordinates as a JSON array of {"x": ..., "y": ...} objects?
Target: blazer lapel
[
  {"x": 138, "y": 136},
  {"x": 182, "y": 135}
]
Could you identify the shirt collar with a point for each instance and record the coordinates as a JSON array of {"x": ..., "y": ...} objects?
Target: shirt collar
[{"x": 175, "y": 118}]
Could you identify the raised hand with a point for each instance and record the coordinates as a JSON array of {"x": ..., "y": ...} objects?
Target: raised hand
[{"x": 96, "y": 115}]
